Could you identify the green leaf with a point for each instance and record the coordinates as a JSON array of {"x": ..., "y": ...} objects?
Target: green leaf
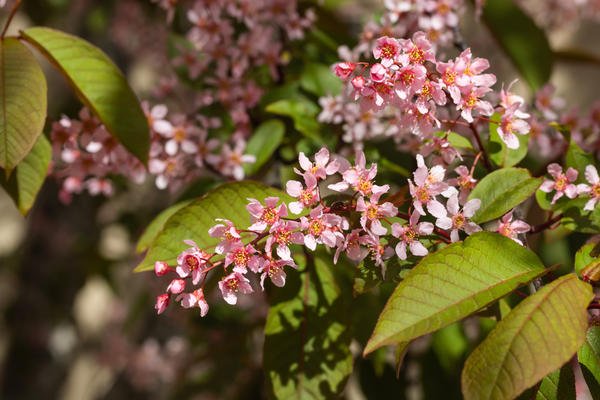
[
  {"x": 455, "y": 139},
  {"x": 589, "y": 358},
  {"x": 501, "y": 191},
  {"x": 318, "y": 79},
  {"x": 536, "y": 338},
  {"x": 24, "y": 186},
  {"x": 193, "y": 221},
  {"x": 577, "y": 219},
  {"x": 559, "y": 385},
  {"x": 578, "y": 159},
  {"x": 23, "y": 102},
  {"x": 453, "y": 283},
  {"x": 98, "y": 83},
  {"x": 499, "y": 153},
  {"x": 307, "y": 338},
  {"x": 525, "y": 44},
  {"x": 157, "y": 225},
  {"x": 263, "y": 143},
  {"x": 303, "y": 112}
]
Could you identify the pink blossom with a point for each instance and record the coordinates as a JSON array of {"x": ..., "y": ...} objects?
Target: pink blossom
[
  {"x": 321, "y": 168},
  {"x": 274, "y": 269},
  {"x": 267, "y": 215},
  {"x": 428, "y": 183},
  {"x": 386, "y": 49},
  {"x": 470, "y": 71},
  {"x": 192, "y": 261},
  {"x": 452, "y": 218},
  {"x": 512, "y": 229},
  {"x": 360, "y": 178},
  {"x": 418, "y": 50},
  {"x": 547, "y": 103},
  {"x": 378, "y": 251},
  {"x": 409, "y": 236},
  {"x": 471, "y": 101},
  {"x": 563, "y": 183},
  {"x": 592, "y": 190},
  {"x": 283, "y": 233},
  {"x": 378, "y": 73},
  {"x": 464, "y": 181},
  {"x": 322, "y": 228},
  {"x": 409, "y": 80},
  {"x": 230, "y": 161},
  {"x": 351, "y": 245},
  {"x": 307, "y": 197},
  {"x": 233, "y": 284},
  {"x": 373, "y": 212},
  {"x": 242, "y": 257},
  {"x": 176, "y": 286},
  {"x": 228, "y": 233},
  {"x": 196, "y": 298}
]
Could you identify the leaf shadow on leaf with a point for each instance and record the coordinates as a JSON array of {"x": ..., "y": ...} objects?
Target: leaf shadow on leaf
[{"x": 308, "y": 356}]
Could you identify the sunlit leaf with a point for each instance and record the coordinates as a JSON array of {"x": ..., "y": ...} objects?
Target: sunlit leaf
[
  {"x": 23, "y": 102},
  {"x": 453, "y": 283},
  {"x": 98, "y": 83},
  {"x": 157, "y": 225},
  {"x": 536, "y": 338},
  {"x": 193, "y": 221}
]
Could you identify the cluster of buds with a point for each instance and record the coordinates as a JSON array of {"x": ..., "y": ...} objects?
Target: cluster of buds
[
  {"x": 86, "y": 155},
  {"x": 367, "y": 225},
  {"x": 229, "y": 40}
]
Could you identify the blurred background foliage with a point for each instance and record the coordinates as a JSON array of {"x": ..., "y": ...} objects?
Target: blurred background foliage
[{"x": 76, "y": 323}]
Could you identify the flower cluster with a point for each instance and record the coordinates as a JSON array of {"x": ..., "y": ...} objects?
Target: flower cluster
[
  {"x": 409, "y": 94},
  {"x": 229, "y": 41},
  {"x": 86, "y": 154},
  {"x": 367, "y": 225}
]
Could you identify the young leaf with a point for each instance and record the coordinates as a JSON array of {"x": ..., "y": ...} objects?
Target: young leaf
[
  {"x": 578, "y": 159},
  {"x": 24, "y": 185},
  {"x": 537, "y": 337},
  {"x": 307, "y": 339},
  {"x": 98, "y": 83},
  {"x": 263, "y": 143},
  {"x": 23, "y": 102},
  {"x": 303, "y": 112},
  {"x": 525, "y": 44},
  {"x": 501, "y": 191},
  {"x": 499, "y": 153},
  {"x": 193, "y": 221},
  {"x": 453, "y": 283},
  {"x": 157, "y": 225}
]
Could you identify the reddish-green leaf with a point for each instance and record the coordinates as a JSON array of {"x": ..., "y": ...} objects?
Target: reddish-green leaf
[
  {"x": 98, "y": 83},
  {"x": 536, "y": 338},
  {"x": 22, "y": 102}
]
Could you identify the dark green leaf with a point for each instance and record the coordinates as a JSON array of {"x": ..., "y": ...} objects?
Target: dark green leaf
[
  {"x": 307, "y": 339},
  {"x": 318, "y": 79},
  {"x": 525, "y": 44},
  {"x": 589, "y": 358},
  {"x": 23, "y": 102},
  {"x": 98, "y": 83}
]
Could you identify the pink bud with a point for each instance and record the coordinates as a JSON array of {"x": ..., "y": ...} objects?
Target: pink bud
[
  {"x": 161, "y": 268},
  {"x": 378, "y": 72},
  {"x": 344, "y": 69},
  {"x": 358, "y": 82},
  {"x": 162, "y": 302},
  {"x": 176, "y": 286}
]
